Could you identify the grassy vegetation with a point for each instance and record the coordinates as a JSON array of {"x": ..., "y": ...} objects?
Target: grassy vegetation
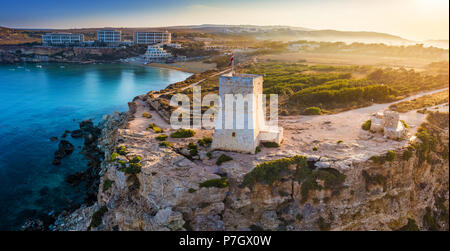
[
  {"x": 376, "y": 179},
  {"x": 270, "y": 144},
  {"x": 334, "y": 88},
  {"x": 270, "y": 171},
  {"x": 133, "y": 168},
  {"x": 97, "y": 217},
  {"x": 312, "y": 111},
  {"x": 410, "y": 226},
  {"x": 162, "y": 137},
  {"x": 122, "y": 150},
  {"x": 191, "y": 190},
  {"x": 223, "y": 158},
  {"x": 155, "y": 128},
  {"x": 421, "y": 102},
  {"x": 389, "y": 156},
  {"x": 193, "y": 149},
  {"x": 332, "y": 180},
  {"x": 206, "y": 141},
  {"x": 220, "y": 183},
  {"x": 114, "y": 156},
  {"x": 183, "y": 133},
  {"x": 107, "y": 184},
  {"x": 430, "y": 221},
  {"x": 323, "y": 225},
  {"x": 165, "y": 144},
  {"x": 146, "y": 115},
  {"x": 366, "y": 125}
]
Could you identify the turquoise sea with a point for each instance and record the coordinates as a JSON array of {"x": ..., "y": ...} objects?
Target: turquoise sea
[{"x": 38, "y": 103}]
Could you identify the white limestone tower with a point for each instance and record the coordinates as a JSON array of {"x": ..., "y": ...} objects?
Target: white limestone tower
[{"x": 240, "y": 125}]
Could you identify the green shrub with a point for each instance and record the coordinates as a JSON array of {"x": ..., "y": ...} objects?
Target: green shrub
[
  {"x": 315, "y": 149},
  {"x": 223, "y": 158},
  {"x": 429, "y": 220},
  {"x": 410, "y": 226},
  {"x": 340, "y": 141},
  {"x": 407, "y": 154},
  {"x": 257, "y": 149},
  {"x": 206, "y": 141},
  {"x": 390, "y": 155},
  {"x": 183, "y": 133},
  {"x": 323, "y": 225},
  {"x": 193, "y": 149},
  {"x": 107, "y": 184},
  {"x": 136, "y": 159},
  {"x": 366, "y": 125},
  {"x": 299, "y": 217},
  {"x": 114, "y": 156},
  {"x": 121, "y": 162},
  {"x": 122, "y": 150},
  {"x": 162, "y": 137},
  {"x": 270, "y": 144},
  {"x": 155, "y": 128},
  {"x": 191, "y": 190},
  {"x": 332, "y": 178},
  {"x": 133, "y": 168},
  {"x": 220, "y": 183},
  {"x": 146, "y": 115},
  {"x": 209, "y": 155},
  {"x": 97, "y": 217},
  {"x": 404, "y": 124},
  {"x": 165, "y": 144},
  {"x": 312, "y": 111},
  {"x": 376, "y": 179},
  {"x": 270, "y": 171}
]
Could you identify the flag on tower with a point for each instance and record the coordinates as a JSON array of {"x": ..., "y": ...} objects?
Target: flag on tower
[{"x": 231, "y": 60}]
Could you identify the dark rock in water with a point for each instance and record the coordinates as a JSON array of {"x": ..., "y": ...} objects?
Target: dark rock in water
[
  {"x": 75, "y": 178},
  {"x": 44, "y": 191},
  {"x": 54, "y": 139},
  {"x": 67, "y": 131},
  {"x": 33, "y": 225},
  {"x": 65, "y": 148},
  {"x": 64, "y": 135},
  {"x": 77, "y": 134}
]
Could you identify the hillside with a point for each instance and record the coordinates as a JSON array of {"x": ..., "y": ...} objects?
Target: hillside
[{"x": 14, "y": 36}]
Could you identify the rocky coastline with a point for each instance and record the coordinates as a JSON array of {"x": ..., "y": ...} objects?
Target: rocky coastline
[
  {"x": 169, "y": 191},
  {"x": 10, "y": 54},
  {"x": 175, "y": 189}
]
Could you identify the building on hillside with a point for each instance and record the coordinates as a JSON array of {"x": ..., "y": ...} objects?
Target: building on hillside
[
  {"x": 174, "y": 45},
  {"x": 50, "y": 39},
  {"x": 110, "y": 37},
  {"x": 242, "y": 130},
  {"x": 156, "y": 53},
  {"x": 144, "y": 37}
]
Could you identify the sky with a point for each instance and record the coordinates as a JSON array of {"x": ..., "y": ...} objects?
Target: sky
[{"x": 412, "y": 19}]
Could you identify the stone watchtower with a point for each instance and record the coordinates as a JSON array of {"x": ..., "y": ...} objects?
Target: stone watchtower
[{"x": 242, "y": 130}]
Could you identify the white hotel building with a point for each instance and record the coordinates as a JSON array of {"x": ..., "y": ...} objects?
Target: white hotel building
[
  {"x": 156, "y": 53},
  {"x": 62, "y": 39},
  {"x": 143, "y": 37},
  {"x": 109, "y": 36}
]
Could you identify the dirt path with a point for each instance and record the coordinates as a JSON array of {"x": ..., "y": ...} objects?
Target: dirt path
[{"x": 303, "y": 133}]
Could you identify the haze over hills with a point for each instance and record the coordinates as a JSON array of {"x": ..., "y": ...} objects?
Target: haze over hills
[{"x": 272, "y": 32}]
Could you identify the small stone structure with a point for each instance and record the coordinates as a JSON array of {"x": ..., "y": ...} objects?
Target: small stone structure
[
  {"x": 255, "y": 130},
  {"x": 389, "y": 124}
]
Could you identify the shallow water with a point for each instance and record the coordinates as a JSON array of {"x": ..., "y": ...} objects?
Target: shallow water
[{"x": 39, "y": 103}]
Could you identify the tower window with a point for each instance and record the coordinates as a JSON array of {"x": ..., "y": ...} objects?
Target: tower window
[{"x": 233, "y": 134}]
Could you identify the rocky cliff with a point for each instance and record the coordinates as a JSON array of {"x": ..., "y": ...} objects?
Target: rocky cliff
[{"x": 146, "y": 185}]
